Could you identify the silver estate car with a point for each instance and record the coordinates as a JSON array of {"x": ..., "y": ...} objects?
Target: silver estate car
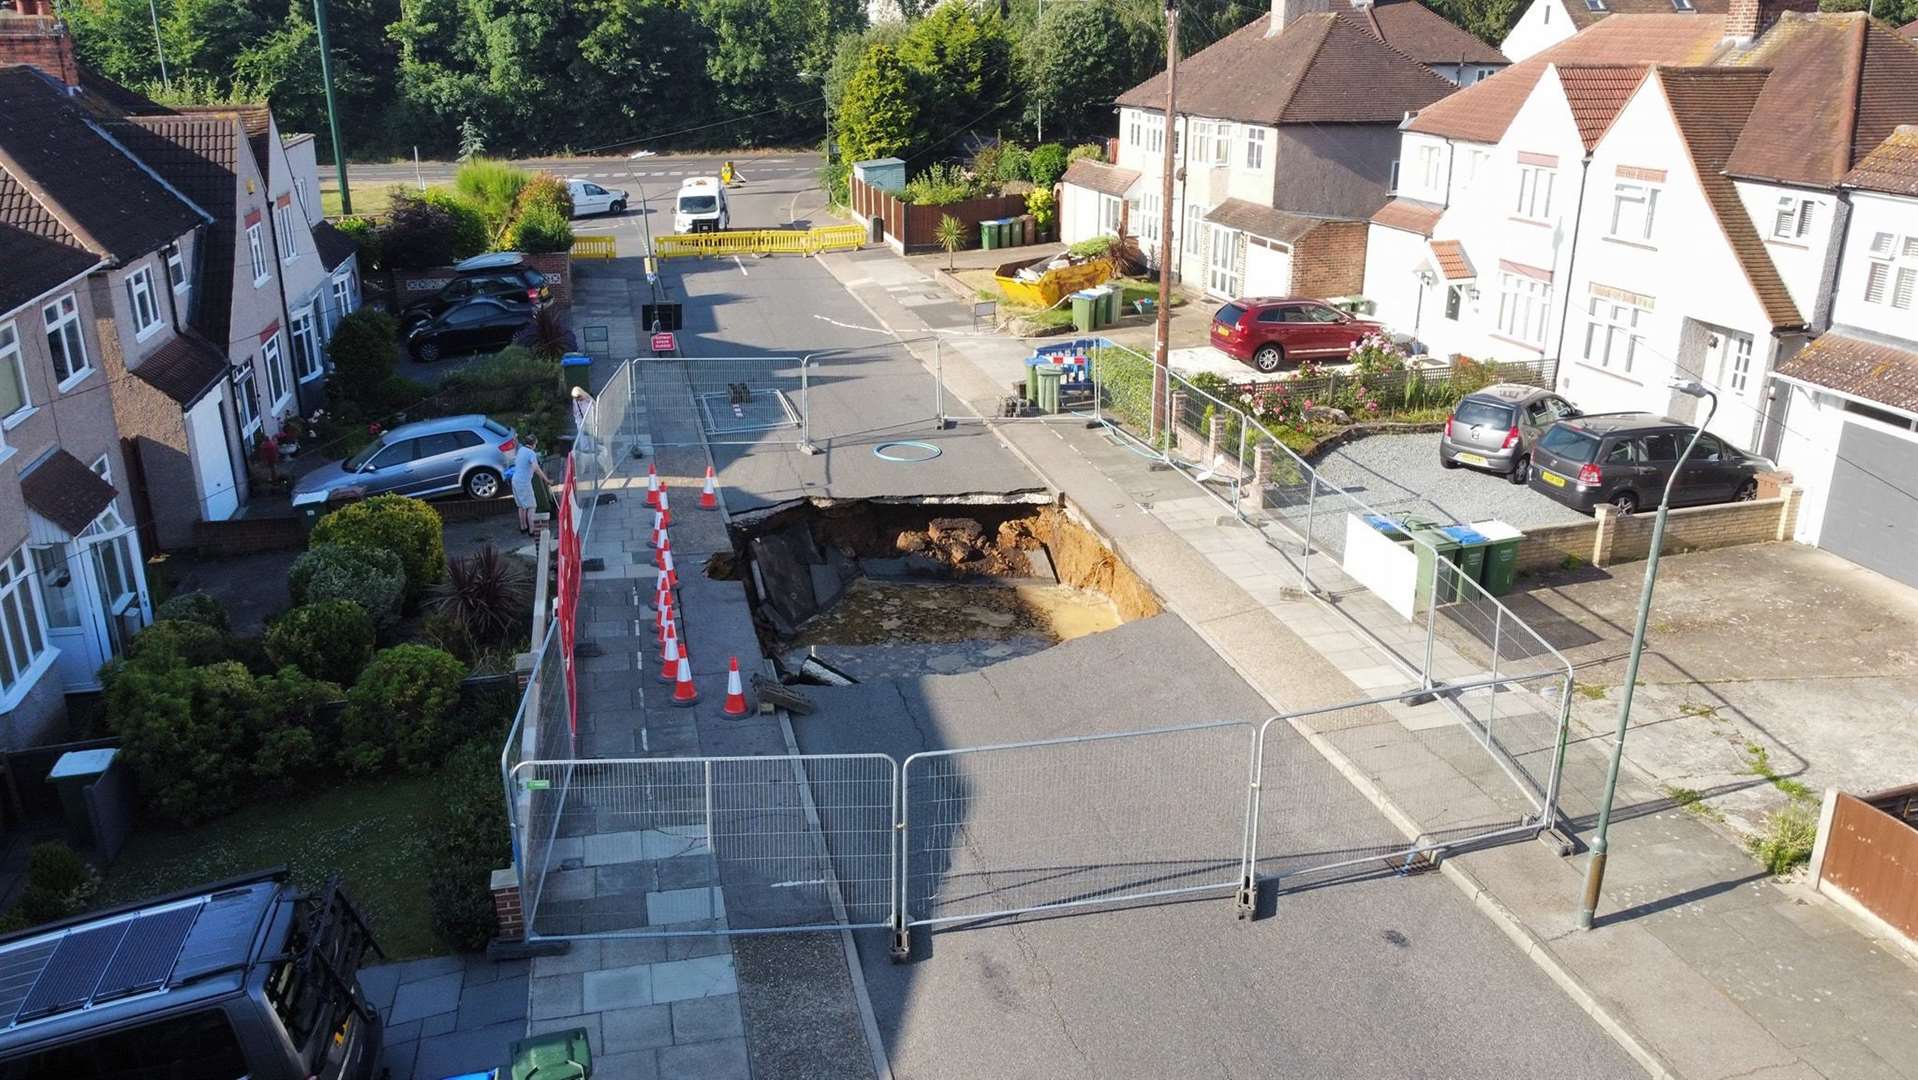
[
  {"x": 1496, "y": 428},
  {"x": 431, "y": 457}
]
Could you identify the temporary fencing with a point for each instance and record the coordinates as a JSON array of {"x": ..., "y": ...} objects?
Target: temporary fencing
[
  {"x": 594, "y": 247},
  {"x": 725, "y": 400},
  {"x": 760, "y": 242}
]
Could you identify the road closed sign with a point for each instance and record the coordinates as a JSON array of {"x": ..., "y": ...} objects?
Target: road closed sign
[{"x": 663, "y": 344}]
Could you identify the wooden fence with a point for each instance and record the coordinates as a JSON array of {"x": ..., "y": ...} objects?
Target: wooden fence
[
  {"x": 908, "y": 227},
  {"x": 1867, "y": 857}
]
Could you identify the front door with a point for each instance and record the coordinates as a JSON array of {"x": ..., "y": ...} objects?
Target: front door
[
  {"x": 206, "y": 443},
  {"x": 1219, "y": 276},
  {"x": 72, "y": 628}
]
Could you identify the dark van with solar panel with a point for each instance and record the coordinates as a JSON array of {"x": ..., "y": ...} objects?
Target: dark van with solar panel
[{"x": 245, "y": 978}]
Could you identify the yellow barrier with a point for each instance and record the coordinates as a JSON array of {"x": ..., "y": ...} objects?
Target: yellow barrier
[
  {"x": 760, "y": 242},
  {"x": 1054, "y": 284},
  {"x": 593, "y": 247},
  {"x": 839, "y": 237}
]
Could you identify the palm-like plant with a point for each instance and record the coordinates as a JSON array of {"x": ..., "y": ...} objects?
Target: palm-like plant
[
  {"x": 951, "y": 235},
  {"x": 487, "y": 593},
  {"x": 547, "y": 335}
]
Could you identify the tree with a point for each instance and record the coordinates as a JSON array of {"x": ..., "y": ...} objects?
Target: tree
[
  {"x": 644, "y": 64},
  {"x": 961, "y": 63},
  {"x": 1079, "y": 58},
  {"x": 877, "y": 113}
]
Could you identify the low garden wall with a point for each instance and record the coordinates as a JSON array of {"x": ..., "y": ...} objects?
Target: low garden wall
[
  {"x": 1611, "y": 537},
  {"x": 411, "y": 285}
]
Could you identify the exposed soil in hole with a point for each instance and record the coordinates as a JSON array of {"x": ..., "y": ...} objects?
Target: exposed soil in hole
[{"x": 885, "y": 589}]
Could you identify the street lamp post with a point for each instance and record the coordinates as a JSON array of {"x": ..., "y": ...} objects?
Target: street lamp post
[{"x": 1595, "y": 864}]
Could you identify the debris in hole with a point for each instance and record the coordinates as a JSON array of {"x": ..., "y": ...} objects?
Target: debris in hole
[{"x": 775, "y": 693}]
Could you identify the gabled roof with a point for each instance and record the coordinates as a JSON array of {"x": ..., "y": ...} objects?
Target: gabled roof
[
  {"x": 1321, "y": 69},
  {"x": 1891, "y": 168},
  {"x": 1712, "y": 107},
  {"x": 1840, "y": 83},
  {"x": 335, "y": 246},
  {"x": 183, "y": 369},
  {"x": 1269, "y": 222},
  {"x": 1861, "y": 364},
  {"x": 256, "y": 118},
  {"x": 1411, "y": 215},
  {"x": 1449, "y": 257},
  {"x": 38, "y": 251},
  {"x": 1583, "y": 16},
  {"x": 197, "y": 155},
  {"x": 60, "y": 488},
  {"x": 1481, "y": 112},
  {"x": 1596, "y": 92},
  {"x": 1098, "y": 176},
  {"x": 1424, "y": 34}
]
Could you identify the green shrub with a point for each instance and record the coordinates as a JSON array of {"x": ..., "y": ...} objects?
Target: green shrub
[
  {"x": 189, "y": 734},
  {"x": 470, "y": 235},
  {"x": 398, "y": 713},
  {"x": 363, "y": 349},
  {"x": 366, "y": 234},
  {"x": 373, "y": 578},
  {"x": 1043, "y": 207},
  {"x": 491, "y": 187},
  {"x": 406, "y": 527},
  {"x": 175, "y": 643},
  {"x": 545, "y": 190},
  {"x": 541, "y": 229},
  {"x": 416, "y": 234},
  {"x": 196, "y": 607},
  {"x": 1094, "y": 247},
  {"x": 940, "y": 185},
  {"x": 1048, "y": 164},
  {"x": 466, "y": 843},
  {"x": 1015, "y": 163},
  {"x": 329, "y": 639},
  {"x": 59, "y": 884},
  {"x": 835, "y": 178},
  {"x": 1086, "y": 152},
  {"x": 298, "y": 718}
]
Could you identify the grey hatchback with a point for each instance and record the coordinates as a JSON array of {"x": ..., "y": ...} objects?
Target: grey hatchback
[
  {"x": 431, "y": 457},
  {"x": 1496, "y": 428}
]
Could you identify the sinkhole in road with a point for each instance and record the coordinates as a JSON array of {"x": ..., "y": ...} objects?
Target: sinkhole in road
[{"x": 873, "y": 588}]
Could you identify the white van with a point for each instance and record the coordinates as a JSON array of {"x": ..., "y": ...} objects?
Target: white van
[{"x": 701, "y": 206}]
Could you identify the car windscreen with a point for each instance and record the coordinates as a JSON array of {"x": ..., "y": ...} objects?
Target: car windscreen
[
  {"x": 1228, "y": 314},
  {"x": 698, "y": 204},
  {"x": 1477, "y": 411},
  {"x": 1570, "y": 444},
  {"x": 358, "y": 461}
]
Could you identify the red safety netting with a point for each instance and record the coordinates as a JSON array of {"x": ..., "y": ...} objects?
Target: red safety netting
[{"x": 566, "y": 510}]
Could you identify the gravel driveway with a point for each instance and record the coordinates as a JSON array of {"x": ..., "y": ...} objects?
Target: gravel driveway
[{"x": 1400, "y": 474}]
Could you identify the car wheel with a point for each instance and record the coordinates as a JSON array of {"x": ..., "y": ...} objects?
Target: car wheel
[
  {"x": 428, "y": 350},
  {"x": 483, "y": 484},
  {"x": 1521, "y": 470},
  {"x": 1268, "y": 358},
  {"x": 619, "y": 206},
  {"x": 1747, "y": 491},
  {"x": 1625, "y": 502},
  {"x": 1447, "y": 463}
]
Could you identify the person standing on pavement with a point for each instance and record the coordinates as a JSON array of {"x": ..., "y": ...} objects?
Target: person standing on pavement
[
  {"x": 526, "y": 466},
  {"x": 583, "y": 405}
]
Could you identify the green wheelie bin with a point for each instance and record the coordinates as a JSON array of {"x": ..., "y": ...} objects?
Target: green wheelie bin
[{"x": 1501, "y": 556}]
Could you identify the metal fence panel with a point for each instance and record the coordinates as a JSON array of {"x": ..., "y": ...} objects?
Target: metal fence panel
[
  {"x": 717, "y": 400},
  {"x": 1063, "y": 823},
  {"x": 648, "y": 847}
]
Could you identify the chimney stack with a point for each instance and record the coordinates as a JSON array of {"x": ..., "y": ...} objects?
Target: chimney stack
[
  {"x": 35, "y": 38},
  {"x": 1286, "y": 12},
  {"x": 1746, "y": 19}
]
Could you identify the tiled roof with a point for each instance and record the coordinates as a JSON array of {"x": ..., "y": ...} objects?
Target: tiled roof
[
  {"x": 1269, "y": 222},
  {"x": 1481, "y": 112},
  {"x": 102, "y": 198},
  {"x": 196, "y": 155},
  {"x": 1862, "y": 366},
  {"x": 1596, "y": 92},
  {"x": 1712, "y": 106},
  {"x": 335, "y": 247},
  {"x": 1452, "y": 262},
  {"x": 1892, "y": 167},
  {"x": 1424, "y": 34},
  {"x": 184, "y": 368},
  {"x": 1098, "y": 176},
  {"x": 1583, "y": 15},
  {"x": 109, "y": 98},
  {"x": 1840, "y": 83},
  {"x": 1411, "y": 215},
  {"x": 38, "y": 252},
  {"x": 1910, "y": 29},
  {"x": 257, "y": 118},
  {"x": 60, "y": 488},
  {"x": 1322, "y": 68}
]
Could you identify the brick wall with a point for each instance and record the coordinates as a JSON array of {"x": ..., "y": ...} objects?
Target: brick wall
[
  {"x": 411, "y": 285},
  {"x": 39, "y": 40},
  {"x": 506, "y": 905},
  {"x": 1611, "y": 538},
  {"x": 1330, "y": 260}
]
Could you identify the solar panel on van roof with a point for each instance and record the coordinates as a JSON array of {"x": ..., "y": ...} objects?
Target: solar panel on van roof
[
  {"x": 74, "y": 970},
  {"x": 148, "y": 954}
]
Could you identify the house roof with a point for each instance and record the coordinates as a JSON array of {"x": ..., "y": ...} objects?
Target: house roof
[
  {"x": 60, "y": 488},
  {"x": 1840, "y": 83},
  {"x": 1712, "y": 107},
  {"x": 256, "y": 118},
  {"x": 103, "y": 200},
  {"x": 1322, "y": 68},
  {"x": 38, "y": 251},
  {"x": 1862, "y": 365},
  {"x": 335, "y": 246},
  {"x": 1583, "y": 16},
  {"x": 1424, "y": 34},
  {"x": 184, "y": 368},
  {"x": 1910, "y": 29},
  {"x": 1269, "y": 222},
  {"x": 1481, "y": 112},
  {"x": 1449, "y": 257},
  {"x": 1596, "y": 92},
  {"x": 196, "y": 154},
  {"x": 1411, "y": 215},
  {"x": 1892, "y": 167},
  {"x": 1098, "y": 176}
]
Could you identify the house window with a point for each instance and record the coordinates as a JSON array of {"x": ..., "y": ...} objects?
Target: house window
[
  {"x": 1392, "y": 185},
  {"x": 1194, "y": 229},
  {"x": 1201, "y": 140},
  {"x": 1485, "y": 73},
  {"x": 1154, "y": 134},
  {"x": 1738, "y": 362},
  {"x": 246, "y": 402},
  {"x": 343, "y": 297},
  {"x": 146, "y": 314},
  {"x": 1454, "y": 301},
  {"x": 1611, "y": 335},
  {"x": 1255, "y": 148},
  {"x": 14, "y": 398},
  {"x": 256, "y": 249},
  {"x": 299, "y": 192},
  {"x": 1595, "y": 5},
  {"x": 306, "y": 346},
  {"x": 23, "y": 636},
  {"x": 277, "y": 382},
  {"x": 1150, "y": 209},
  {"x": 1534, "y": 192},
  {"x": 283, "y": 227},
  {"x": 1633, "y": 207},
  {"x": 175, "y": 268},
  {"x": 1429, "y": 163},
  {"x": 64, "y": 343},
  {"x": 1793, "y": 220},
  {"x": 1683, "y": 5},
  {"x": 1892, "y": 276},
  {"x": 1108, "y": 218},
  {"x": 1523, "y": 305},
  {"x": 1133, "y": 135},
  {"x": 1222, "y": 146}
]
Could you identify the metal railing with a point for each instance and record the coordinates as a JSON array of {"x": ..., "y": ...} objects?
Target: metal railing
[{"x": 725, "y": 400}]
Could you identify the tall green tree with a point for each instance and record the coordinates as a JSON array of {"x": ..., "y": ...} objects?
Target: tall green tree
[
  {"x": 1078, "y": 58},
  {"x": 961, "y": 63},
  {"x": 877, "y": 118}
]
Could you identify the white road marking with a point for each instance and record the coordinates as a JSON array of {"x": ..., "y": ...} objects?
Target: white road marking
[{"x": 742, "y": 266}]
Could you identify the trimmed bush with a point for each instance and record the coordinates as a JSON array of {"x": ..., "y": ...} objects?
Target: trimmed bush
[
  {"x": 1043, "y": 208},
  {"x": 363, "y": 350},
  {"x": 189, "y": 733},
  {"x": 406, "y": 527},
  {"x": 1048, "y": 164},
  {"x": 541, "y": 229},
  {"x": 197, "y": 607},
  {"x": 398, "y": 713},
  {"x": 175, "y": 643},
  {"x": 328, "y": 639},
  {"x": 545, "y": 190},
  {"x": 469, "y": 840},
  {"x": 1086, "y": 152},
  {"x": 59, "y": 884},
  {"x": 293, "y": 728},
  {"x": 470, "y": 235},
  {"x": 373, "y": 578},
  {"x": 416, "y": 235}
]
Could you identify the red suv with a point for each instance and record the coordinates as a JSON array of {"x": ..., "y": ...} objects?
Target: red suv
[{"x": 1267, "y": 331}]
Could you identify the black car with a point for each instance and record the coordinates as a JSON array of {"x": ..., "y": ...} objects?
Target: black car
[
  {"x": 470, "y": 326},
  {"x": 502, "y": 276},
  {"x": 1625, "y": 459}
]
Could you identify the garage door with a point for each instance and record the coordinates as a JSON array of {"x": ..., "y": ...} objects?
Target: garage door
[
  {"x": 1871, "y": 514},
  {"x": 1268, "y": 272}
]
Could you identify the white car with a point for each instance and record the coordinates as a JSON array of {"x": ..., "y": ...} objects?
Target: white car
[{"x": 590, "y": 198}]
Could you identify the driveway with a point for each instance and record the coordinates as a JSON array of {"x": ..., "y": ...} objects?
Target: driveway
[
  {"x": 1400, "y": 474},
  {"x": 1782, "y": 647}
]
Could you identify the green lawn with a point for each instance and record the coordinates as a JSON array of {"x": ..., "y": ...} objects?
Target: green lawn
[
  {"x": 367, "y": 198},
  {"x": 373, "y": 834}
]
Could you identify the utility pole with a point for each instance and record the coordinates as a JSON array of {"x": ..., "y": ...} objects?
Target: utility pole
[
  {"x": 332, "y": 116},
  {"x": 1161, "y": 353}
]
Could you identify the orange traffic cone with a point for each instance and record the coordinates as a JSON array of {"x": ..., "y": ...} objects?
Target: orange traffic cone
[
  {"x": 670, "y": 664},
  {"x": 665, "y": 511},
  {"x": 652, "y": 487},
  {"x": 684, "y": 694},
  {"x": 735, "y": 694},
  {"x": 659, "y": 552},
  {"x": 666, "y": 572},
  {"x": 709, "y": 498},
  {"x": 667, "y": 629},
  {"x": 659, "y": 531}
]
